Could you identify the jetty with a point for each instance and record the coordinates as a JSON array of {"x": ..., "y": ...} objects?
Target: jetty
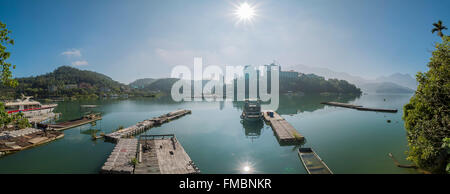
[
  {"x": 163, "y": 154},
  {"x": 286, "y": 134},
  {"x": 18, "y": 140},
  {"x": 358, "y": 107},
  {"x": 76, "y": 122},
  {"x": 312, "y": 162},
  {"x": 151, "y": 154},
  {"x": 145, "y": 125}
]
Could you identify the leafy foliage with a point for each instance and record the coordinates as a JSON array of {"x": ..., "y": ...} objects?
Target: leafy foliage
[
  {"x": 17, "y": 120},
  {"x": 439, "y": 27},
  {"x": 446, "y": 146},
  {"x": 426, "y": 116},
  {"x": 6, "y": 79},
  {"x": 6, "y": 74}
]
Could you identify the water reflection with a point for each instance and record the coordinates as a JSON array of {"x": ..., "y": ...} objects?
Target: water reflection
[
  {"x": 252, "y": 129},
  {"x": 289, "y": 104},
  {"x": 294, "y": 104}
]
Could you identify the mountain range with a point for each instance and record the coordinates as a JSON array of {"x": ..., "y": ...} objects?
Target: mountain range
[{"x": 395, "y": 83}]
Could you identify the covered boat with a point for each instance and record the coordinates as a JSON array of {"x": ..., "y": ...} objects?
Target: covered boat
[
  {"x": 252, "y": 110},
  {"x": 28, "y": 107}
]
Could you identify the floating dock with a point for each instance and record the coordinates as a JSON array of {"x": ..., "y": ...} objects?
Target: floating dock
[
  {"x": 122, "y": 158},
  {"x": 357, "y": 107},
  {"x": 345, "y": 105},
  {"x": 312, "y": 162},
  {"x": 18, "y": 140},
  {"x": 145, "y": 125},
  {"x": 75, "y": 123},
  {"x": 151, "y": 154},
  {"x": 163, "y": 154},
  {"x": 286, "y": 134}
]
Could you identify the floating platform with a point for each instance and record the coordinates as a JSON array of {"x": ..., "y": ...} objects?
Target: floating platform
[
  {"x": 18, "y": 140},
  {"x": 345, "y": 105},
  {"x": 163, "y": 154},
  {"x": 357, "y": 107},
  {"x": 286, "y": 134},
  {"x": 121, "y": 159},
  {"x": 151, "y": 154},
  {"x": 377, "y": 109},
  {"x": 75, "y": 123},
  {"x": 312, "y": 162},
  {"x": 145, "y": 125}
]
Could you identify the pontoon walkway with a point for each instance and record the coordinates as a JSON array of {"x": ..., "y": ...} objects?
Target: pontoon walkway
[
  {"x": 357, "y": 107},
  {"x": 145, "y": 125},
  {"x": 285, "y": 132}
]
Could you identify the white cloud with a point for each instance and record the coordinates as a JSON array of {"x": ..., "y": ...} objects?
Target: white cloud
[
  {"x": 72, "y": 52},
  {"x": 80, "y": 63}
]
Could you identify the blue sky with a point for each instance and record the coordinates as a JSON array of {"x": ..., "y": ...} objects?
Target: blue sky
[{"x": 127, "y": 40}]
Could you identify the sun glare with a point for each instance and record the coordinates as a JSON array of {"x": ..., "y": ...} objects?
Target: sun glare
[
  {"x": 246, "y": 169},
  {"x": 245, "y": 12}
]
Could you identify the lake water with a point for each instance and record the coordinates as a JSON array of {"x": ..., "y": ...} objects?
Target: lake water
[{"x": 349, "y": 141}]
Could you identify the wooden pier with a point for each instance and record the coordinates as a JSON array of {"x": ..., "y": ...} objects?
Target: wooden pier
[
  {"x": 286, "y": 134},
  {"x": 151, "y": 154},
  {"x": 145, "y": 125},
  {"x": 163, "y": 154},
  {"x": 75, "y": 123},
  {"x": 360, "y": 108},
  {"x": 122, "y": 158}
]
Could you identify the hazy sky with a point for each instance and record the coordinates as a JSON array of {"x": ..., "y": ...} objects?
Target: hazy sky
[{"x": 127, "y": 40}]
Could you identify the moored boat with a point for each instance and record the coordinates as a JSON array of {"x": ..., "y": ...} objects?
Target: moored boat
[
  {"x": 252, "y": 110},
  {"x": 28, "y": 107},
  {"x": 312, "y": 162}
]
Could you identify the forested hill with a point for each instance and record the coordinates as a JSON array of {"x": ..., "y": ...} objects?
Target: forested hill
[
  {"x": 66, "y": 81},
  {"x": 70, "y": 82},
  {"x": 306, "y": 83},
  {"x": 141, "y": 83},
  {"x": 311, "y": 83}
]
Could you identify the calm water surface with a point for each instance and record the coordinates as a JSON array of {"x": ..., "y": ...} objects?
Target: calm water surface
[{"x": 349, "y": 141}]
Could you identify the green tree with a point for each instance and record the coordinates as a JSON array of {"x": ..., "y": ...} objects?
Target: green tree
[
  {"x": 6, "y": 74},
  {"x": 6, "y": 79},
  {"x": 438, "y": 27},
  {"x": 5, "y": 119},
  {"x": 446, "y": 146},
  {"x": 426, "y": 116}
]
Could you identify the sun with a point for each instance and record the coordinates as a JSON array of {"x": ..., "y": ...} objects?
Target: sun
[
  {"x": 245, "y": 12},
  {"x": 246, "y": 168}
]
